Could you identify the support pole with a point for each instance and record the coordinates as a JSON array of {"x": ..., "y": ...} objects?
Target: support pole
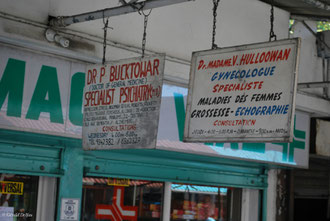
[
  {"x": 264, "y": 200},
  {"x": 264, "y": 204},
  {"x": 167, "y": 201},
  {"x": 63, "y": 21},
  {"x": 71, "y": 185}
]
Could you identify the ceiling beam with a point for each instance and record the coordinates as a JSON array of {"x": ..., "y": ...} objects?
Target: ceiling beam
[
  {"x": 314, "y": 84},
  {"x": 132, "y": 6},
  {"x": 314, "y": 105},
  {"x": 309, "y": 17}
]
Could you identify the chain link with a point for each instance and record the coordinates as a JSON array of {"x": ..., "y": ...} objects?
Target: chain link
[
  {"x": 144, "y": 37},
  {"x": 271, "y": 33},
  {"x": 105, "y": 29},
  {"x": 215, "y": 7}
]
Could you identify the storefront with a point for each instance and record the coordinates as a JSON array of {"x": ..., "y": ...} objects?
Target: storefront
[
  {"x": 41, "y": 119},
  {"x": 145, "y": 199}
]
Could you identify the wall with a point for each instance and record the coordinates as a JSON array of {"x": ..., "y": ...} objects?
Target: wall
[
  {"x": 310, "y": 65},
  {"x": 180, "y": 29},
  {"x": 250, "y": 207},
  {"x": 176, "y": 30}
]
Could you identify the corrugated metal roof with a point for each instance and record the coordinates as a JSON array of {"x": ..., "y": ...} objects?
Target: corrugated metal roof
[{"x": 313, "y": 9}]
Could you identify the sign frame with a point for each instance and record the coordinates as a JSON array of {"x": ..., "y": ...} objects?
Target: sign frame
[
  {"x": 293, "y": 90},
  {"x": 144, "y": 116}
]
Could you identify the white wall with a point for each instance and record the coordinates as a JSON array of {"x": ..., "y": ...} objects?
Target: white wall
[
  {"x": 35, "y": 10},
  {"x": 271, "y": 195},
  {"x": 176, "y": 30},
  {"x": 180, "y": 29},
  {"x": 250, "y": 205},
  {"x": 310, "y": 65}
]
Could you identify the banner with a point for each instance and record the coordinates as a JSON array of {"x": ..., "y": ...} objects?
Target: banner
[
  {"x": 243, "y": 94},
  {"x": 122, "y": 103}
]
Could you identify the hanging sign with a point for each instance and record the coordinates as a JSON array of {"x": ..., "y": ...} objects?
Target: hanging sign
[
  {"x": 243, "y": 94},
  {"x": 122, "y": 103}
]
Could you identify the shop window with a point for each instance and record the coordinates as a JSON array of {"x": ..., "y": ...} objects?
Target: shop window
[
  {"x": 18, "y": 197},
  {"x": 204, "y": 203},
  {"x": 121, "y": 199}
]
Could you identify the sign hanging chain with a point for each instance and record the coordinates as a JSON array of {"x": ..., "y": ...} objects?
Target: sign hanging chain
[
  {"x": 105, "y": 29},
  {"x": 215, "y": 6},
  {"x": 271, "y": 33},
  {"x": 144, "y": 38}
]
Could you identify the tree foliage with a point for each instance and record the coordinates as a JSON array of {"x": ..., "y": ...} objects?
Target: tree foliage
[{"x": 323, "y": 26}]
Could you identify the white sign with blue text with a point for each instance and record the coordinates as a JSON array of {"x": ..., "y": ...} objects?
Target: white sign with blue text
[
  {"x": 171, "y": 126},
  {"x": 243, "y": 94}
]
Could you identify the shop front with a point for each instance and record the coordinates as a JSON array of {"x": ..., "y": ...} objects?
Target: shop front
[
  {"x": 144, "y": 200},
  {"x": 52, "y": 178}
]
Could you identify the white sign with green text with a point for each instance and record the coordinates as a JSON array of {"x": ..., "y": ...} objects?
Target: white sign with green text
[{"x": 44, "y": 94}]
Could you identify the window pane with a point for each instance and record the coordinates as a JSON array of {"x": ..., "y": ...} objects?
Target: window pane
[
  {"x": 117, "y": 197},
  {"x": 202, "y": 203},
  {"x": 18, "y": 197}
]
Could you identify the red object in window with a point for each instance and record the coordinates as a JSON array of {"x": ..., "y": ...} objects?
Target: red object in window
[{"x": 117, "y": 211}]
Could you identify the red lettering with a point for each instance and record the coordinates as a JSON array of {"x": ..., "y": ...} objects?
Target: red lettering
[
  {"x": 286, "y": 54},
  {"x": 91, "y": 75},
  {"x": 279, "y": 57},
  {"x": 234, "y": 59},
  {"x": 273, "y": 55},
  {"x": 201, "y": 62},
  {"x": 102, "y": 71},
  {"x": 156, "y": 65},
  {"x": 113, "y": 70}
]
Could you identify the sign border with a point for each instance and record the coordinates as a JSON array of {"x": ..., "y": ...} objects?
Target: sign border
[
  {"x": 161, "y": 56},
  {"x": 293, "y": 91}
]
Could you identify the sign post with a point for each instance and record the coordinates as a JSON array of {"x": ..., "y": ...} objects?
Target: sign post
[
  {"x": 122, "y": 103},
  {"x": 243, "y": 94}
]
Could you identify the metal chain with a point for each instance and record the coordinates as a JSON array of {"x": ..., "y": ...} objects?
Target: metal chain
[
  {"x": 144, "y": 37},
  {"x": 215, "y": 7},
  {"x": 271, "y": 33},
  {"x": 105, "y": 29}
]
